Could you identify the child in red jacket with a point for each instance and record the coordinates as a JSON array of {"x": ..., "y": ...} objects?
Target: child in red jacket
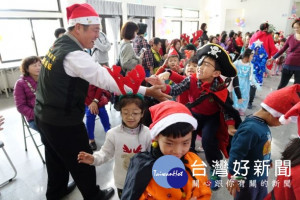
[
  {"x": 95, "y": 103},
  {"x": 209, "y": 103}
]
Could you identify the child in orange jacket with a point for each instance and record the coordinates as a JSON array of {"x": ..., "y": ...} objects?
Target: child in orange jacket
[{"x": 171, "y": 131}]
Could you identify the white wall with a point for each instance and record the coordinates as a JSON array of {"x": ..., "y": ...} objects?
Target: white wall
[
  {"x": 215, "y": 12},
  {"x": 191, "y": 5},
  {"x": 255, "y": 12}
]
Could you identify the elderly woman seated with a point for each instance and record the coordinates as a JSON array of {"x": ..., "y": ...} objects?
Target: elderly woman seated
[{"x": 25, "y": 87}]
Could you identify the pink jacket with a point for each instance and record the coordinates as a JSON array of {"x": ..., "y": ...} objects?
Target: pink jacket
[{"x": 24, "y": 97}]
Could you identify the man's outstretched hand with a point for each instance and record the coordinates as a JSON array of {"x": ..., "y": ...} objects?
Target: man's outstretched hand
[
  {"x": 155, "y": 80},
  {"x": 155, "y": 92}
]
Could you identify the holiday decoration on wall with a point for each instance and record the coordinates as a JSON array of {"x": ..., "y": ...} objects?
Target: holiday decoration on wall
[
  {"x": 240, "y": 22},
  {"x": 164, "y": 28}
]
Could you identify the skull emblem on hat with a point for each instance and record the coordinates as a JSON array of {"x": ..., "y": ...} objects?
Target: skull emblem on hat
[{"x": 214, "y": 50}]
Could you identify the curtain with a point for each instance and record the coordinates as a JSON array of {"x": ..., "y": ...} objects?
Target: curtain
[
  {"x": 113, "y": 33},
  {"x": 140, "y": 10},
  {"x": 106, "y": 7},
  {"x": 149, "y": 22}
]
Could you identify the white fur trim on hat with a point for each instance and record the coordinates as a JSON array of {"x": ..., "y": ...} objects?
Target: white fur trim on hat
[
  {"x": 273, "y": 112},
  {"x": 172, "y": 119},
  {"x": 283, "y": 120},
  {"x": 84, "y": 20}
]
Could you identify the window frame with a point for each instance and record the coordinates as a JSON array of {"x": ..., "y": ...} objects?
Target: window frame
[
  {"x": 33, "y": 35},
  {"x": 41, "y": 11},
  {"x": 183, "y": 19},
  {"x": 144, "y": 17}
]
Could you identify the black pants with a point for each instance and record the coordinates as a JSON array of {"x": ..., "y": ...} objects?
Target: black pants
[
  {"x": 286, "y": 76},
  {"x": 208, "y": 125},
  {"x": 252, "y": 93},
  {"x": 62, "y": 145}
]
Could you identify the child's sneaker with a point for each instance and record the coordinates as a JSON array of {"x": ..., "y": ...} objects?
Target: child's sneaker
[
  {"x": 214, "y": 179},
  {"x": 93, "y": 146}
]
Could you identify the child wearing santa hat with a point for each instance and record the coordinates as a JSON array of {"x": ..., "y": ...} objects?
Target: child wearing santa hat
[
  {"x": 292, "y": 154},
  {"x": 251, "y": 144},
  {"x": 209, "y": 103},
  {"x": 171, "y": 131}
]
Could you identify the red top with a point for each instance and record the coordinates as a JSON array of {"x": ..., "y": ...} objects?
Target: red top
[
  {"x": 183, "y": 97},
  {"x": 267, "y": 40},
  {"x": 239, "y": 41},
  {"x": 101, "y": 95},
  {"x": 283, "y": 191}
]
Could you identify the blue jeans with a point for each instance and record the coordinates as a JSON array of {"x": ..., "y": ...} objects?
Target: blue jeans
[
  {"x": 147, "y": 71},
  {"x": 90, "y": 121},
  {"x": 252, "y": 193},
  {"x": 32, "y": 125}
]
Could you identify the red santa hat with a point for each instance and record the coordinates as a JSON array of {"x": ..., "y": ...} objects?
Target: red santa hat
[
  {"x": 172, "y": 52},
  {"x": 292, "y": 115},
  {"x": 82, "y": 14},
  {"x": 167, "y": 113},
  {"x": 281, "y": 101}
]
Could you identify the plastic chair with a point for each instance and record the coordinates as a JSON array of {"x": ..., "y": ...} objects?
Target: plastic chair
[
  {"x": 11, "y": 164},
  {"x": 26, "y": 125}
]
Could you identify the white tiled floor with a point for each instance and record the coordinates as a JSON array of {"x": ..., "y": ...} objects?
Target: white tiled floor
[{"x": 30, "y": 183}]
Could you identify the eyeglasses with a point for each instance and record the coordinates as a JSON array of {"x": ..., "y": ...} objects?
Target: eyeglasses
[
  {"x": 207, "y": 64},
  {"x": 134, "y": 115}
]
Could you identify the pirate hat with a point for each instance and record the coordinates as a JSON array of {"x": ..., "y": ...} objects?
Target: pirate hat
[{"x": 220, "y": 55}]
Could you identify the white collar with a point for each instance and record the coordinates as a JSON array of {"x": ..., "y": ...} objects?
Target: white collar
[{"x": 131, "y": 131}]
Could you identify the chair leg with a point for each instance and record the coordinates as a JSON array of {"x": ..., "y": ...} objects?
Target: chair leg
[
  {"x": 23, "y": 124},
  {"x": 36, "y": 146},
  {"x": 12, "y": 165}
]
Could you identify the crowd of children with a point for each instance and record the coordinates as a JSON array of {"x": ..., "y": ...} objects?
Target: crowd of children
[
  {"x": 190, "y": 71},
  {"x": 209, "y": 112}
]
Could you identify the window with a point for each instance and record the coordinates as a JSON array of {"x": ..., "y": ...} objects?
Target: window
[
  {"x": 39, "y": 5},
  {"x": 180, "y": 21},
  {"x": 112, "y": 27},
  {"x": 190, "y": 13},
  {"x": 190, "y": 26},
  {"x": 26, "y": 37},
  {"x": 146, "y": 20},
  {"x": 16, "y": 43},
  {"x": 175, "y": 30},
  {"x": 172, "y": 12},
  {"x": 44, "y": 34}
]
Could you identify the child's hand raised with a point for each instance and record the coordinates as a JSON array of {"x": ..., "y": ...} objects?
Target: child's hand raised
[
  {"x": 86, "y": 158},
  {"x": 155, "y": 80},
  {"x": 165, "y": 64},
  {"x": 164, "y": 76}
]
